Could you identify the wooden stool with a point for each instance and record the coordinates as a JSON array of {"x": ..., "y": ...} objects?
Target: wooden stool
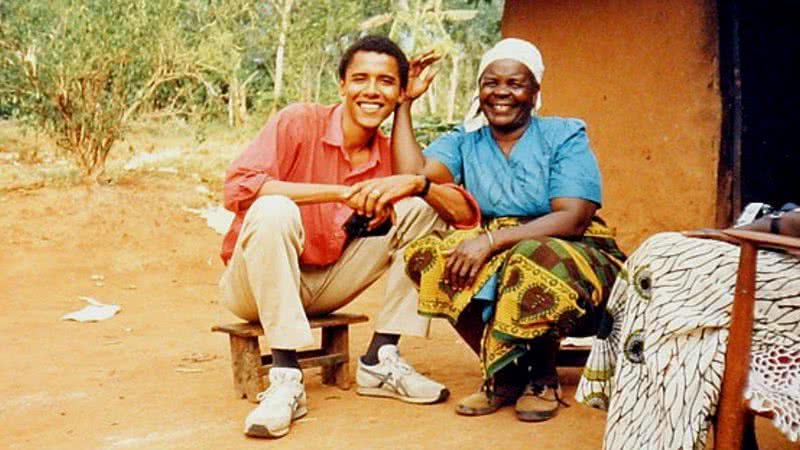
[{"x": 250, "y": 366}]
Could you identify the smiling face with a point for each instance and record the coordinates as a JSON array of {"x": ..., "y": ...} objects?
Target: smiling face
[
  {"x": 507, "y": 94},
  {"x": 370, "y": 88}
]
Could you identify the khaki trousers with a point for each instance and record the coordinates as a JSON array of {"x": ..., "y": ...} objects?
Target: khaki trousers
[{"x": 265, "y": 282}]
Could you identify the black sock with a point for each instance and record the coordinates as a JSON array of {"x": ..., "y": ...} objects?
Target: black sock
[
  {"x": 284, "y": 358},
  {"x": 378, "y": 341}
]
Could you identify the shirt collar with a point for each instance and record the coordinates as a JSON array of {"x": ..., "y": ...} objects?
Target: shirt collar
[
  {"x": 334, "y": 134},
  {"x": 333, "y": 128}
]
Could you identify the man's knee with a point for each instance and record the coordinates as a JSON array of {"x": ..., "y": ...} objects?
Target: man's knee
[
  {"x": 414, "y": 208},
  {"x": 275, "y": 213}
]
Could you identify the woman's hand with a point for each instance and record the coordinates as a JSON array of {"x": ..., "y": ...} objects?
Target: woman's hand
[
  {"x": 465, "y": 261},
  {"x": 417, "y": 84}
]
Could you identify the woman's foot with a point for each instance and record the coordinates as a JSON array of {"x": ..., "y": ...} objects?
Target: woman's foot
[
  {"x": 482, "y": 403},
  {"x": 538, "y": 403}
]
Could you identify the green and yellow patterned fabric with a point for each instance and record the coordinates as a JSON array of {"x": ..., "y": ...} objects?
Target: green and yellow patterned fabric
[{"x": 544, "y": 284}]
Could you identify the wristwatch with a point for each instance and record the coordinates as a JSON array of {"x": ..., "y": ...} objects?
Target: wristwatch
[
  {"x": 425, "y": 188},
  {"x": 775, "y": 222}
]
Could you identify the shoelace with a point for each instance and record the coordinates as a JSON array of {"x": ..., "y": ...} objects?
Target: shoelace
[
  {"x": 397, "y": 361},
  {"x": 273, "y": 387},
  {"x": 538, "y": 390},
  {"x": 262, "y": 395}
]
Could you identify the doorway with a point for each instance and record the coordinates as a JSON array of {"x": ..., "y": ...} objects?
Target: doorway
[{"x": 760, "y": 82}]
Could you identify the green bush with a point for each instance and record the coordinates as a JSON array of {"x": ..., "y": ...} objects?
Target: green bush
[{"x": 80, "y": 70}]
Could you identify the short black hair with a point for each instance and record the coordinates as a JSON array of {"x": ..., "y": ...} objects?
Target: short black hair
[{"x": 376, "y": 44}]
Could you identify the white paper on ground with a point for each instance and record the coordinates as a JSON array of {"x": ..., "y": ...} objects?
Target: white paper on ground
[
  {"x": 94, "y": 312},
  {"x": 217, "y": 217}
]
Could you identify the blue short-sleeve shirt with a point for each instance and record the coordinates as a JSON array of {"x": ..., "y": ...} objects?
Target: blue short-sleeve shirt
[{"x": 552, "y": 159}]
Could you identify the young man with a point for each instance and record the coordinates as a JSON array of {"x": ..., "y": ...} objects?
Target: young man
[{"x": 287, "y": 253}]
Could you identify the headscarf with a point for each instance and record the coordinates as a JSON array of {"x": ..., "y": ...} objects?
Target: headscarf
[{"x": 509, "y": 48}]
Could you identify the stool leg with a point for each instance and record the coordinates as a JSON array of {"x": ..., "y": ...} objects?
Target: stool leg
[
  {"x": 246, "y": 360},
  {"x": 335, "y": 340}
]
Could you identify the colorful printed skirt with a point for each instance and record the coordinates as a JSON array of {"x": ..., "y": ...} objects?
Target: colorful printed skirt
[{"x": 542, "y": 285}]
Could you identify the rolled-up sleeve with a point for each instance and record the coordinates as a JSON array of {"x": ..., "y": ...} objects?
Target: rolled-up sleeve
[
  {"x": 259, "y": 163},
  {"x": 447, "y": 149},
  {"x": 473, "y": 204}
]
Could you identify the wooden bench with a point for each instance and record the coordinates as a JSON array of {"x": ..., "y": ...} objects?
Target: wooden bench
[{"x": 250, "y": 367}]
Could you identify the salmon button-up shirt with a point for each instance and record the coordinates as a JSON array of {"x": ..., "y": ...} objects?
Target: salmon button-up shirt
[{"x": 303, "y": 144}]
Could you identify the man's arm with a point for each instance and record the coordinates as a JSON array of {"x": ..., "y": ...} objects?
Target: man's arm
[
  {"x": 311, "y": 193},
  {"x": 407, "y": 155},
  {"x": 305, "y": 193},
  {"x": 406, "y": 151},
  {"x": 787, "y": 224},
  {"x": 452, "y": 203}
]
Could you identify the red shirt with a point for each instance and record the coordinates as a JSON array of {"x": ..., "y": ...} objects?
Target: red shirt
[{"x": 302, "y": 144}]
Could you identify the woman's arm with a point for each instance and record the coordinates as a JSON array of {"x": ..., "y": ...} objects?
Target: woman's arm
[
  {"x": 406, "y": 151},
  {"x": 787, "y": 224},
  {"x": 570, "y": 217}
]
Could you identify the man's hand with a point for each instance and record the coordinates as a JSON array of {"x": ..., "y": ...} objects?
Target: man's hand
[
  {"x": 465, "y": 261},
  {"x": 418, "y": 84},
  {"x": 378, "y": 215},
  {"x": 371, "y": 196}
]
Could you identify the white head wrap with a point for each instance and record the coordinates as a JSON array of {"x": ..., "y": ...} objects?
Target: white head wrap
[{"x": 510, "y": 48}]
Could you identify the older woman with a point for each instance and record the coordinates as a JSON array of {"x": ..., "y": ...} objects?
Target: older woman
[{"x": 540, "y": 267}]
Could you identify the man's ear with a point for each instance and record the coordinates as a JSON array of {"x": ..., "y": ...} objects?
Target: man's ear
[{"x": 341, "y": 89}]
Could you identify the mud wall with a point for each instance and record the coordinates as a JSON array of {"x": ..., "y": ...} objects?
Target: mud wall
[{"x": 644, "y": 76}]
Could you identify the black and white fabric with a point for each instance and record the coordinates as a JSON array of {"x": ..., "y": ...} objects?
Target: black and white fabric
[{"x": 658, "y": 368}]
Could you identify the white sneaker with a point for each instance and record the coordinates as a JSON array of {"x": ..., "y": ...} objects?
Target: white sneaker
[
  {"x": 394, "y": 377},
  {"x": 283, "y": 402}
]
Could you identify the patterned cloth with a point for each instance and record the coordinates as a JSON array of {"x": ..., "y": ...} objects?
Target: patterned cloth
[
  {"x": 544, "y": 285},
  {"x": 658, "y": 369}
]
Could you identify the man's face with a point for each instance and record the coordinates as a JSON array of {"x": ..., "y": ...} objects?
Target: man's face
[
  {"x": 507, "y": 94},
  {"x": 371, "y": 88}
]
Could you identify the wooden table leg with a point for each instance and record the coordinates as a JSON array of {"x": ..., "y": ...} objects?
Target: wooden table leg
[
  {"x": 335, "y": 340},
  {"x": 732, "y": 413},
  {"x": 246, "y": 360}
]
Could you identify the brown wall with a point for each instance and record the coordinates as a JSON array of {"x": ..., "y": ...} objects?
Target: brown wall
[{"x": 644, "y": 76}]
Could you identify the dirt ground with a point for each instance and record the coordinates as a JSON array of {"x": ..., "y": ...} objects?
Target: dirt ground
[{"x": 154, "y": 376}]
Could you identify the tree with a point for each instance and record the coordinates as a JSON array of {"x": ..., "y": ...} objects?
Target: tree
[
  {"x": 81, "y": 70},
  {"x": 284, "y": 10},
  {"x": 226, "y": 37},
  {"x": 331, "y": 25}
]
